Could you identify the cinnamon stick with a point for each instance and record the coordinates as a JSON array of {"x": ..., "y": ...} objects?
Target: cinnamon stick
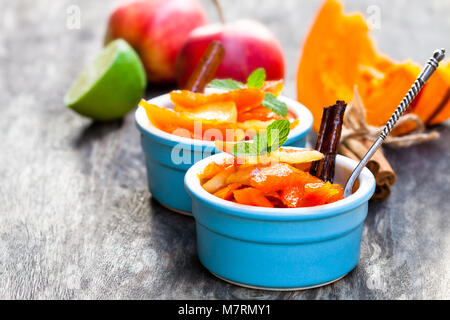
[
  {"x": 342, "y": 149},
  {"x": 385, "y": 176},
  {"x": 206, "y": 68},
  {"x": 328, "y": 141},
  {"x": 359, "y": 149},
  {"x": 382, "y": 192},
  {"x": 320, "y": 136}
]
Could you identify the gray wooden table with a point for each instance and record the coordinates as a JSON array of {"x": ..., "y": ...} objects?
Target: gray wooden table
[{"x": 77, "y": 221}]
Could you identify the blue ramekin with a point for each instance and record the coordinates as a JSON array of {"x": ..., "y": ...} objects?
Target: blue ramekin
[
  {"x": 166, "y": 176},
  {"x": 277, "y": 248}
]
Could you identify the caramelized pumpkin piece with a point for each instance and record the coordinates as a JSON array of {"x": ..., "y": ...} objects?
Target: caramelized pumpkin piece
[
  {"x": 190, "y": 100},
  {"x": 252, "y": 197},
  {"x": 311, "y": 194},
  {"x": 243, "y": 98},
  {"x": 259, "y": 113},
  {"x": 292, "y": 196},
  {"x": 316, "y": 194},
  {"x": 276, "y": 185},
  {"x": 180, "y": 124},
  {"x": 275, "y": 87},
  {"x": 247, "y": 98},
  {"x": 227, "y": 192},
  {"x": 279, "y": 176}
]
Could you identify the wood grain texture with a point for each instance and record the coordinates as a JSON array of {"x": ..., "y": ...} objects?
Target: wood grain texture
[{"x": 77, "y": 221}]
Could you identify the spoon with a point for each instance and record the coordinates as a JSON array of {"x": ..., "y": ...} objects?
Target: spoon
[{"x": 426, "y": 73}]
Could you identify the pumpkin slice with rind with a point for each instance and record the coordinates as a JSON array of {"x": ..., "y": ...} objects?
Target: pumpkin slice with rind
[
  {"x": 335, "y": 51},
  {"x": 339, "y": 54},
  {"x": 435, "y": 93},
  {"x": 384, "y": 95}
]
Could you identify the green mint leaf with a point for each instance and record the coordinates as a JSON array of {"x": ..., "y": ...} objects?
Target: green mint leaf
[
  {"x": 260, "y": 141},
  {"x": 277, "y": 133},
  {"x": 277, "y": 106},
  {"x": 256, "y": 78},
  {"x": 244, "y": 148},
  {"x": 226, "y": 84}
]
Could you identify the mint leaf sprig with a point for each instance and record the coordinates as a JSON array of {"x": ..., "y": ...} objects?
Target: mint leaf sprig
[
  {"x": 273, "y": 138},
  {"x": 226, "y": 84},
  {"x": 255, "y": 80}
]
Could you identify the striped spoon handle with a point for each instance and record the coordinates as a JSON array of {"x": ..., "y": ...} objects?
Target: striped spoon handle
[{"x": 426, "y": 73}]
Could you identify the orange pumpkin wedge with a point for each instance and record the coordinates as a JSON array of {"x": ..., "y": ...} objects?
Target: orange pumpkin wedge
[
  {"x": 436, "y": 89},
  {"x": 334, "y": 51},
  {"x": 383, "y": 97},
  {"x": 252, "y": 197},
  {"x": 339, "y": 54}
]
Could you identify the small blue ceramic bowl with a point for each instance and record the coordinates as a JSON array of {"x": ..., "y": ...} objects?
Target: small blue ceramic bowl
[
  {"x": 168, "y": 156},
  {"x": 276, "y": 248}
]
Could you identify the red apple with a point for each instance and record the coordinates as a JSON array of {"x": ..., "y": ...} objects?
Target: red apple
[
  {"x": 248, "y": 46},
  {"x": 157, "y": 29}
]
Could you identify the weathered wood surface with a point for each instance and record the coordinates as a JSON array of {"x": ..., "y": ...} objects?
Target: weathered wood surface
[{"x": 77, "y": 221}]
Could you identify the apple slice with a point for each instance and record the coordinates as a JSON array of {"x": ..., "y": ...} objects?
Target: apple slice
[
  {"x": 294, "y": 156},
  {"x": 219, "y": 180},
  {"x": 291, "y": 156},
  {"x": 254, "y": 125},
  {"x": 242, "y": 175},
  {"x": 259, "y": 125},
  {"x": 224, "y": 111},
  {"x": 281, "y": 156}
]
